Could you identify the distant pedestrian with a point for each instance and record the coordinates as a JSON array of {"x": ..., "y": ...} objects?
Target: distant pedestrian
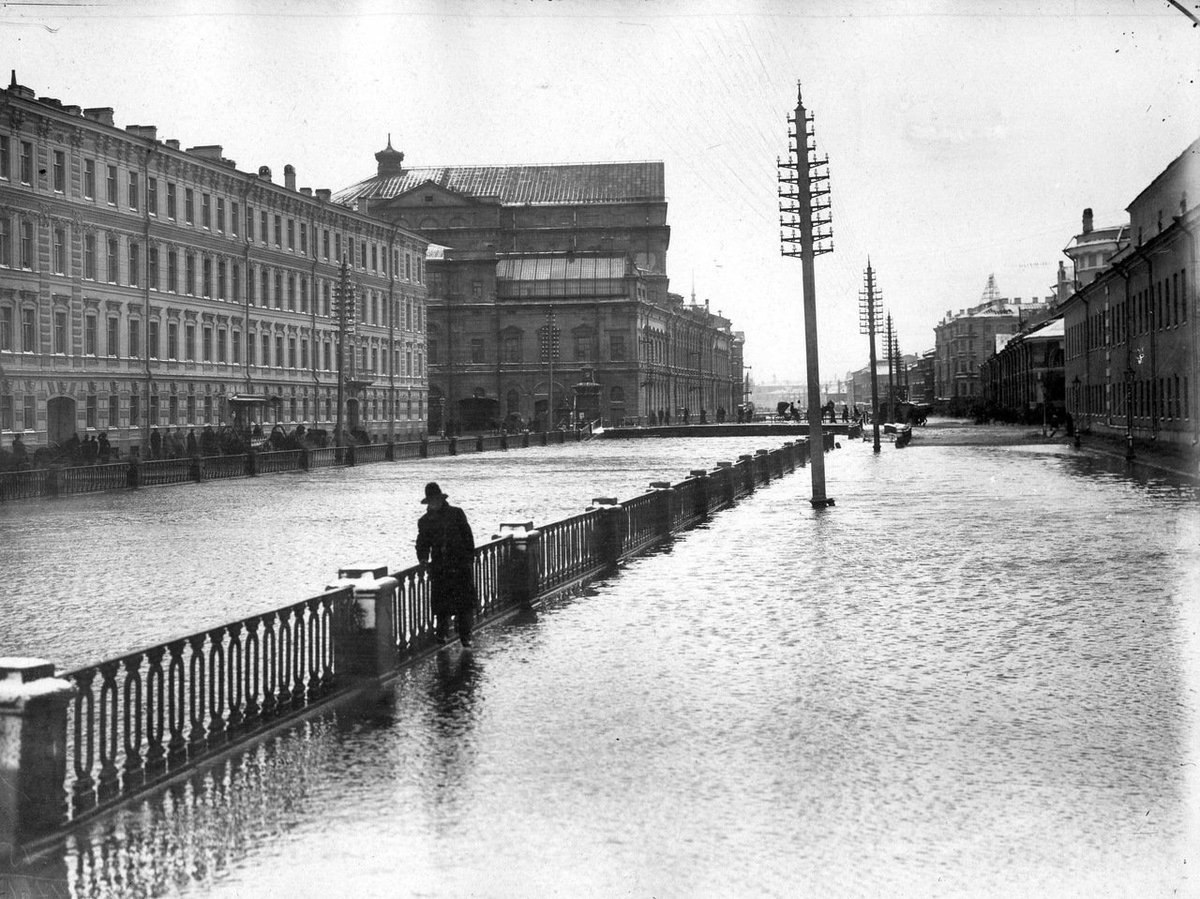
[
  {"x": 103, "y": 448},
  {"x": 155, "y": 444},
  {"x": 193, "y": 445},
  {"x": 444, "y": 540},
  {"x": 20, "y": 454},
  {"x": 845, "y": 413}
]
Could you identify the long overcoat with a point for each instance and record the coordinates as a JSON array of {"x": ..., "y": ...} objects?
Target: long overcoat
[{"x": 444, "y": 540}]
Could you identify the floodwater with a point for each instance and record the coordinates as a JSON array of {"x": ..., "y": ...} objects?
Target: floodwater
[
  {"x": 92, "y": 577},
  {"x": 978, "y": 674}
]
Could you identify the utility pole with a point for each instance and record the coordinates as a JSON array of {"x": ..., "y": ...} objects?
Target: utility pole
[
  {"x": 891, "y": 381},
  {"x": 805, "y": 220},
  {"x": 869, "y": 307},
  {"x": 549, "y": 352},
  {"x": 343, "y": 298}
]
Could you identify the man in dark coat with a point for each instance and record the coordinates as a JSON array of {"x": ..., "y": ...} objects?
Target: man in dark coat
[{"x": 444, "y": 540}]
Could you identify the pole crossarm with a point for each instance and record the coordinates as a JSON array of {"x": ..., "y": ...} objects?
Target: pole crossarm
[{"x": 806, "y": 232}]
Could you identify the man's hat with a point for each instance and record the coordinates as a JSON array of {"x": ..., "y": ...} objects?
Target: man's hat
[{"x": 432, "y": 490}]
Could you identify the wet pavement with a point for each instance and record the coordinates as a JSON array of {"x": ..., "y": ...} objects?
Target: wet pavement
[{"x": 979, "y": 674}]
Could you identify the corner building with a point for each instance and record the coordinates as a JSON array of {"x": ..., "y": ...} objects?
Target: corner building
[
  {"x": 143, "y": 285},
  {"x": 548, "y": 295}
]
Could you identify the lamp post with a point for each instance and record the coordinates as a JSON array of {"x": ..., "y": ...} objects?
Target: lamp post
[
  {"x": 1129, "y": 376},
  {"x": 1075, "y": 384}
]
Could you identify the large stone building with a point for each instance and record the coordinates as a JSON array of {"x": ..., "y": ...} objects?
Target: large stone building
[
  {"x": 1132, "y": 336},
  {"x": 548, "y": 294},
  {"x": 147, "y": 286},
  {"x": 964, "y": 340}
]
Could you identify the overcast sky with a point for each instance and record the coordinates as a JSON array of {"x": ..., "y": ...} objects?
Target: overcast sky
[{"x": 964, "y": 138}]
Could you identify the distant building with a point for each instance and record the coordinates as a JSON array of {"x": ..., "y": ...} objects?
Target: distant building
[
  {"x": 1023, "y": 381},
  {"x": 1091, "y": 250},
  {"x": 1132, "y": 329},
  {"x": 147, "y": 286},
  {"x": 545, "y": 277},
  {"x": 966, "y": 338}
]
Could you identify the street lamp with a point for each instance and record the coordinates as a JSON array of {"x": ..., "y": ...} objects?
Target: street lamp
[
  {"x": 1075, "y": 385},
  {"x": 1129, "y": 376}
]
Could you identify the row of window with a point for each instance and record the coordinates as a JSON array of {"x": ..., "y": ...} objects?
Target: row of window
[
  {"x": 200, "y": 275},
  {"x": 124, "y": 189},
  {"x": 196, "y": 411},
  {"x": 1157, "y": 307},
  {"x": 1163, "y": 398},
  {"x": 215, "y": 343},
  {"x": 512, "y": 348}
]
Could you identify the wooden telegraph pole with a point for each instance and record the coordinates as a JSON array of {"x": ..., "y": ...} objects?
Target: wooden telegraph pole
[
  {"x": 805, "y": 221},
  {"x": 869, "y": 308},
  {"x": 343, "y": 297}
]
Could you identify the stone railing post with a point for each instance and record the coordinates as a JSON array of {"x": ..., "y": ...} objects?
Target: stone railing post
[
  {"x": 728, "y": 493},
  {"x": 33, "y": 751},
  {"x": 611, "y": 530},
  {"x": 366, "y": 646},
  {"x": 748, "y": 474},
  {"x": 479, "y": 444},
  {"x": 521, "y": 580},
  {"x": 133, "y": 474},
  {"x": 196, "y": 469},
  {"x": 452, "y": 449},
  {"x": 702, "y": 488},
  {"x": 763, "y": 458},
  {"x": 389, "y": 454},
  {"x": 252, "y": 462},
  {"x": 424, "y": 447},
  {"x": 666, "y": 503}
]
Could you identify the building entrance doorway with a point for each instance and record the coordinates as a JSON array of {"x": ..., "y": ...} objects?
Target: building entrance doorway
[{"x": 60, "y": 419}]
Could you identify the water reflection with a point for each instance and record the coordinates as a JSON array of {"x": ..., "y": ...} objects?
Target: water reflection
[{"x": 977, "y": 675}]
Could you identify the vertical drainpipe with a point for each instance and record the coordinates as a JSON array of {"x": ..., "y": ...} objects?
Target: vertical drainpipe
[
  {"x": 150, "y": 148},
  {"x": 390, "y": 262},
  {"x": 314, "y": 299},
  {"x": 1153, "y": 382},
  {"x": 1194, "y": 350},
  {"x": 245, "y": 210}
]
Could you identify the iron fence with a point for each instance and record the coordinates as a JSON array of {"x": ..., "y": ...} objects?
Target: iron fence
[
  {"x": 137, "y": 718},
  {"x": 147, "y": 715}
]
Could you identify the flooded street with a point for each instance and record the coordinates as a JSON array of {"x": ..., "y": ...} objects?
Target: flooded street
[{"x": 978, "y": 674}]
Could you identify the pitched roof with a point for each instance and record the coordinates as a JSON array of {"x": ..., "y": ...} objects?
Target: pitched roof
[{"x": 590, "y": 182}]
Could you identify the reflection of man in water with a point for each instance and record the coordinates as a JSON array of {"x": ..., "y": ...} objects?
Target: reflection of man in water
[{"x": 444, "y": 540}]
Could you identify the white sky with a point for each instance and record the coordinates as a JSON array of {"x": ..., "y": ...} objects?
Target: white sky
[{"x": 964, "y": 138}]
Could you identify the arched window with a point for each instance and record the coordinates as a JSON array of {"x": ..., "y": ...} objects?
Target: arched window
[{"x": 512, "y": 402}]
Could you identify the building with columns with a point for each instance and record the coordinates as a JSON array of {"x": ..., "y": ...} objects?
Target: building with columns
[
  {"x": 548, "y": 295},
  {"x": 143, "y": 285}
]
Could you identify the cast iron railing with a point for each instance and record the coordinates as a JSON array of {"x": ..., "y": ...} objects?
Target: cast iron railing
[{"x": 147, "y": 715}]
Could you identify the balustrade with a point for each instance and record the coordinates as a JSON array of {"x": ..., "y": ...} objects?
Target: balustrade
[
  {"x": 146, "y": 715},
  {"x": 132, "y": 720}
]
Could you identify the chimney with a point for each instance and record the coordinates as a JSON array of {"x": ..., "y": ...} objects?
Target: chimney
[
  {"x": 207, "y": 151},
  {"x": 307, "y": 191},
  {"x": 264, "y": 172},
  {"x": 173, "y": 144},
  {"x": 1087, "y": 221},
  {"x": 19, "y": 90},
  {"x": 323, "y": 194},
  {"x": 289, "y": 176},
  {"x": 149, "y": 132},
  {"x": 101, "y": 114}
]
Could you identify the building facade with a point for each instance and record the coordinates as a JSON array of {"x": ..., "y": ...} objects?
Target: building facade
[
  {"x": 1132, "y": 336},
  {"x": 1023, "y": 381},
  {"x": 147, "y": 286},
  {"x": 545, "y": 279},
  {"x": 964, "y": 340}
]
